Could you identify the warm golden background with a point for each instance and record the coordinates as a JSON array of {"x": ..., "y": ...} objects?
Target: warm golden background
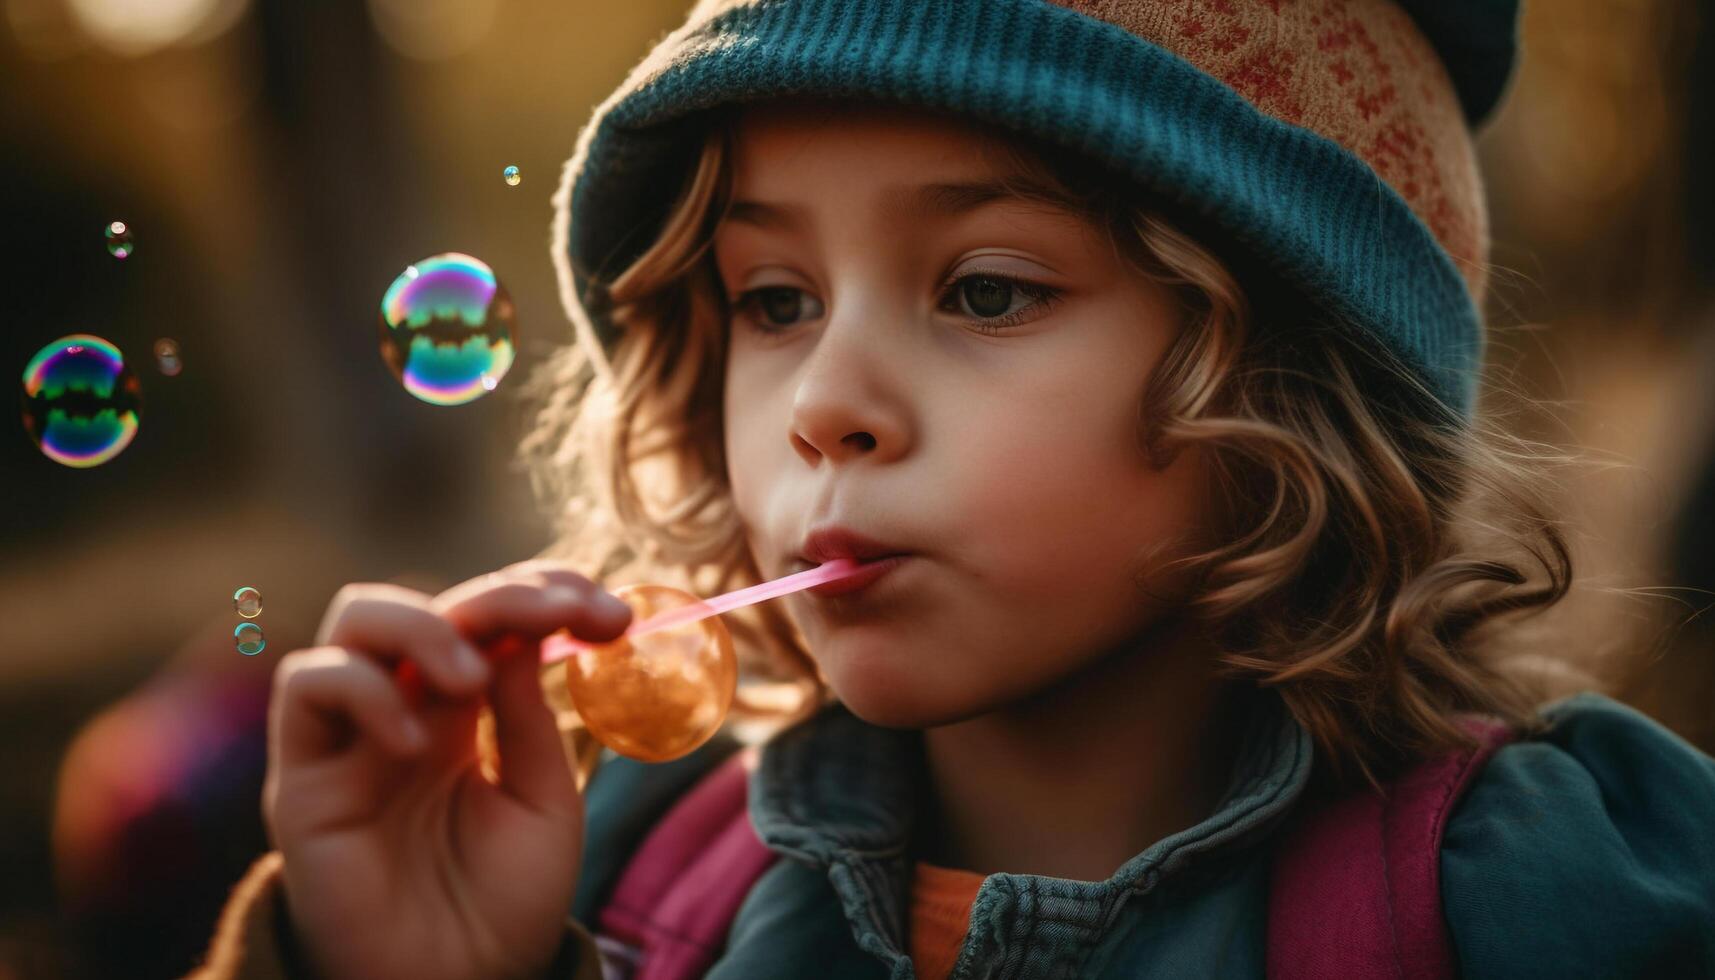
[{"x": 282, "y": 161}]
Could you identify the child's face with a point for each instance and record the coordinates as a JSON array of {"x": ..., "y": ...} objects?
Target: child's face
[{"x": 1007, "y": 463}]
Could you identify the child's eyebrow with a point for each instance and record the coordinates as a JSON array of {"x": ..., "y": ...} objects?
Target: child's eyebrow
[{"x": 921, "y": 202}]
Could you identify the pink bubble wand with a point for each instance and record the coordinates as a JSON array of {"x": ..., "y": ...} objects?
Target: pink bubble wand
[{"x": 562, "y": 644}]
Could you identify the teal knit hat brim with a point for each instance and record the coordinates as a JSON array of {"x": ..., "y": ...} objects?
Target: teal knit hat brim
[{"x": 1311, "y": 212}]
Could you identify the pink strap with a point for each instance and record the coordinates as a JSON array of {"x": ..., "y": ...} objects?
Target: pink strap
[
  {"x": 1356, "y": 888},
  {"x": 680, "y": 892}
]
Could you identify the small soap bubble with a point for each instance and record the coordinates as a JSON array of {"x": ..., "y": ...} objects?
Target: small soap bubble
[
  {"x": 119, "y": 244},
  {"x": 167, "y": 357},
  {"x": 248, "y": 602},
  {"x": 248, "y": 638},
  {"x": 82, "y": 405},
  {"x": 446, "y": 329},
  {"x": 512, "y": 176}
]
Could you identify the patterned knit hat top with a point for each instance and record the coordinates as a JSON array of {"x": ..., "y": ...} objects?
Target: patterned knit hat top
[{"x": 1330, "y": 139}]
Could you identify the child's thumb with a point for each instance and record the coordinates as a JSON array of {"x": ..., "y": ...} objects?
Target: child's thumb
[{"x": 533, "y": 765}]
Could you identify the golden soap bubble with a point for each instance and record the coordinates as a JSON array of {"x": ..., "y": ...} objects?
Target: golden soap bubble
[
  {"x": 659, "y": 695},
  {"x": 660, "y": 691}
]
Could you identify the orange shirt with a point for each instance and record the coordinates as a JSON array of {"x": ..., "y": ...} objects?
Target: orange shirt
[{"x": 940, "y": 915}]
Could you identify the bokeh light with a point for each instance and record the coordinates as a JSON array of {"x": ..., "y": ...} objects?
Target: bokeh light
[
  {"x": 446, "y": 329},
  {"x": 82, "y": 405},
  {"x": 137, "y": 27},
  {"x": 432, "y": 29}
]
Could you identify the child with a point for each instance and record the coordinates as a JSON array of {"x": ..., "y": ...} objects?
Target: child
[{"x": 1148, "y": 331}]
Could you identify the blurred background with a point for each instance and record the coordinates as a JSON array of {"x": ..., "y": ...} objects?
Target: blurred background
[{"x": 280, "y": 162}]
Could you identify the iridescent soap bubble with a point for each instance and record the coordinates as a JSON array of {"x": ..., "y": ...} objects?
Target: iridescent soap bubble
[
  {"x": 167, "y": 357},
  {"x": 119, "y": 243},
  {"x": 248, "y": 639},
  {"x": 82, "y": 405},
  {"x": 446, "y": 329},
  {"x": 512, "y": 176},
  {"x": 248, "y": 602}
]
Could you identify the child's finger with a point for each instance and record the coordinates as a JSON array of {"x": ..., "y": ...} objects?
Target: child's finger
[
  {"x": 321, "y": 694},
  {"x": 533, "y": 766},
  {"x": 529, "y": 604},
  {"x": 381, "y": 619}
]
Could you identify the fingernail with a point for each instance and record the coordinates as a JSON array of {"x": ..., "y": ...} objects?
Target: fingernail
[
  {"x": 415, "y": 736},
  {"x": 605, "y": 603},
  {"x": 563, "y": 595},
  {"x": 471, "y": 663}
]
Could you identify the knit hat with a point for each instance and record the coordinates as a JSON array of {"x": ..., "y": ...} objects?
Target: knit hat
[{"x": 1330, "y": 139}]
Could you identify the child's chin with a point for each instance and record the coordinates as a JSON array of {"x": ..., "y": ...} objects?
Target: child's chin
[
  {"x": 895, "y": 684},
  {"x": 901, "y": 703}
]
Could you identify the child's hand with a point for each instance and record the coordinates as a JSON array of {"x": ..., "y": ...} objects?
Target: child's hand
[{"x": 401, "y": 859}]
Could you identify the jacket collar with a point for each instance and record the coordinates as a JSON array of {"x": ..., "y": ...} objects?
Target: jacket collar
[{"x": 838, "y": 792}]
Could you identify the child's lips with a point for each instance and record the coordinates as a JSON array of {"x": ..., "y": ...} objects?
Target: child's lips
[{"x": 873, "y": 570}]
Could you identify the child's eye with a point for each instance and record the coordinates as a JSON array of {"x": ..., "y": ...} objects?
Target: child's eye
[
  {"x": 771, "y": 309},
  {"x": 986, "y": 297},
  {"x": 989, "y": 296}
]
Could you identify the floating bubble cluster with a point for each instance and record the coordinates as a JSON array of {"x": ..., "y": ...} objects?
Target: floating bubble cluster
[
  {"x": 167, "y": 357},
  {"x": 248, "y": 639},
  {"x": 82, "y": 405},
  {"x": 512, "y": 176},
  {"x": 248, "y": 602},
  {"x": 119, "y": 243},
  {"x": 446, "y": 329}
]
